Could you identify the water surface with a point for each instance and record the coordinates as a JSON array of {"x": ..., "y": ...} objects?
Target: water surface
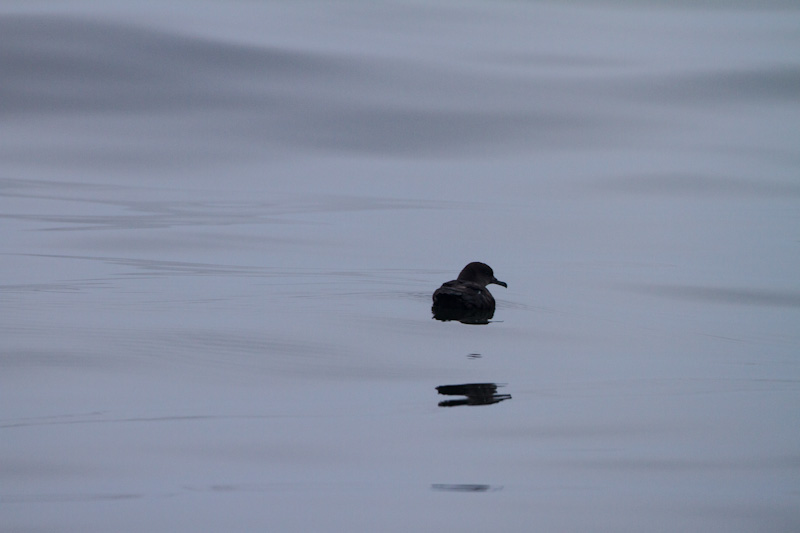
[{"x": 222, "y": 225}]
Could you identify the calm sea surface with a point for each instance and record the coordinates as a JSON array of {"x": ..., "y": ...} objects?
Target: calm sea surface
[{"x": 221, "y": 224}]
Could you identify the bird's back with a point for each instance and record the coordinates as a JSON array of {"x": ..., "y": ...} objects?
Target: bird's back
[{"x": 466, "y": 295}]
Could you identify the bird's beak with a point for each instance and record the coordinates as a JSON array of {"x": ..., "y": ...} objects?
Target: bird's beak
[{"x": 501, "y": 283}]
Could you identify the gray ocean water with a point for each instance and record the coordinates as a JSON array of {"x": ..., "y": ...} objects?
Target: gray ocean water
[{"x": 221, "y": 224}]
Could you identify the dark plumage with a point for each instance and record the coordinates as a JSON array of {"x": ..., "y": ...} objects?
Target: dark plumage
[{"x": 467, "y": 299}]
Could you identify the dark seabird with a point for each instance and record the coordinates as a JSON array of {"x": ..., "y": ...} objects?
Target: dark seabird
[{"x": 467, "y": 299}]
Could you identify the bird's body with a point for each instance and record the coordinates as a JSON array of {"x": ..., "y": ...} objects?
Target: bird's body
[{"x": 467, "y": 296}]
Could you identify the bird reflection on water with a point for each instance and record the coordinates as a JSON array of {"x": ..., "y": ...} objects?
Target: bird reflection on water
[{"x": 476, "y": 394}]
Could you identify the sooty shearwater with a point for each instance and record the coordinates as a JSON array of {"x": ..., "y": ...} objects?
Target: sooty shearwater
[{"x": 467, "y": 299}]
